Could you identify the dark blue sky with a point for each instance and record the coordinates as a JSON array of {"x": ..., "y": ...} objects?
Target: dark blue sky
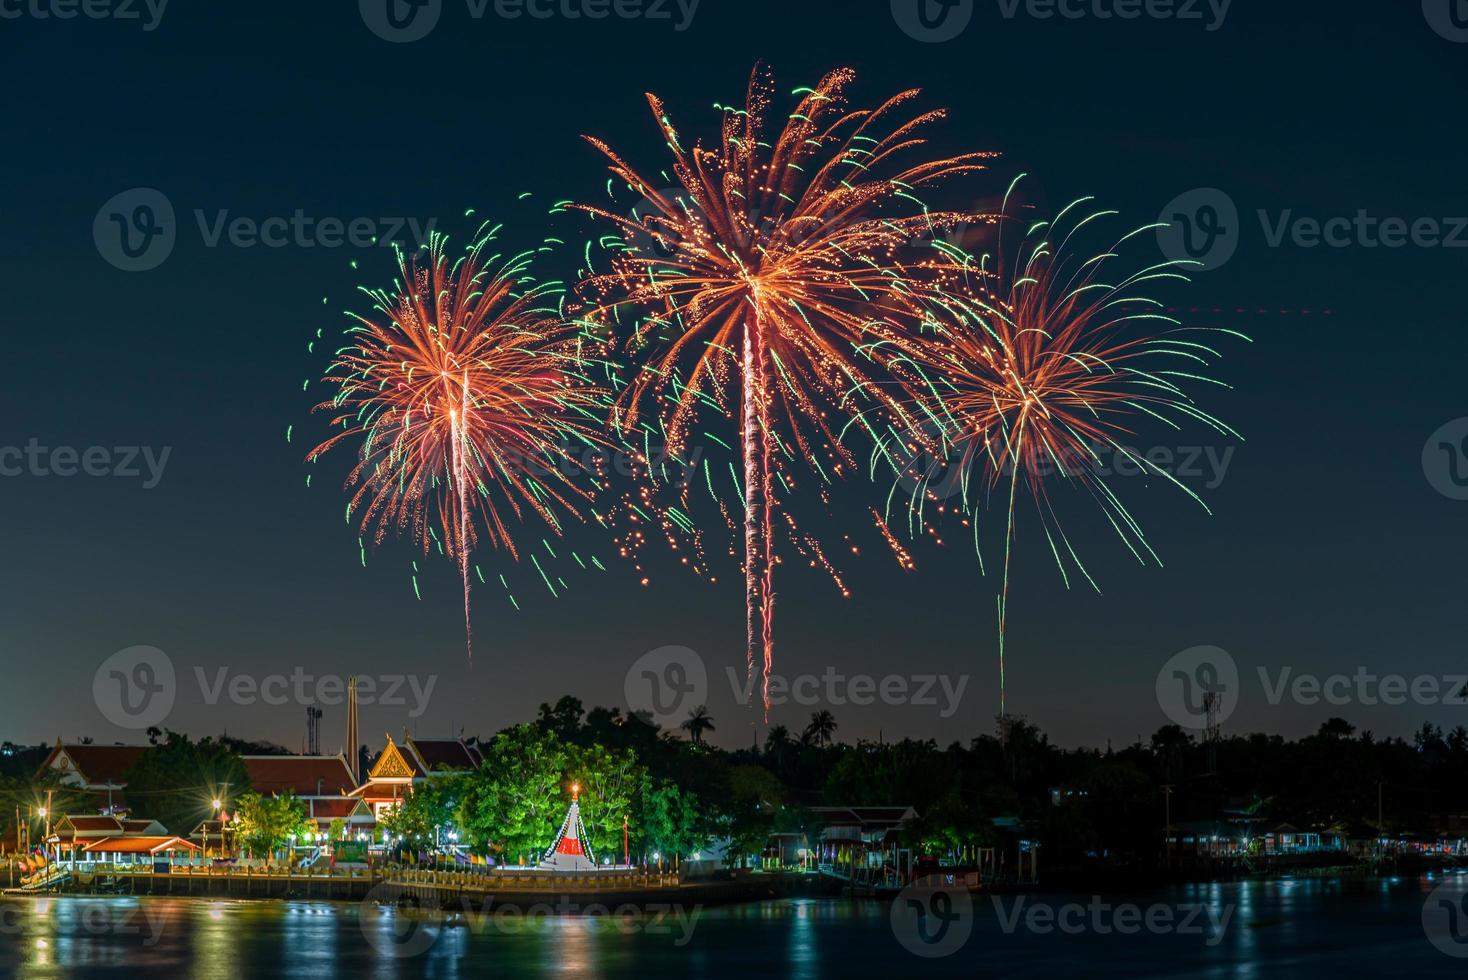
[{"x": 1329, "y": 549}]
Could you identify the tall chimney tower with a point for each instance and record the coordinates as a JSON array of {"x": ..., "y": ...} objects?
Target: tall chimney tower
[{"x": 352, "y": 728}]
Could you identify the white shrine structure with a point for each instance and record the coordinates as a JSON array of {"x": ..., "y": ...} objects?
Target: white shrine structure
[{"x": 570, "y": 851}]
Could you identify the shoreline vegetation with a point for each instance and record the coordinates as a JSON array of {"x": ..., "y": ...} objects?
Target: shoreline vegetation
[{"x": 1172, "y": 808}]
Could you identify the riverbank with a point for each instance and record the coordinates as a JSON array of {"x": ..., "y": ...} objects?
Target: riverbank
[{"x": 447, "y": 890}]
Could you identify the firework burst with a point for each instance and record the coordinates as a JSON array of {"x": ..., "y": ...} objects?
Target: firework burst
[
  {"x": 465, "y": 396},
  {"x": 767, "y": 279},
  {"x": 1047, "y": 361}
]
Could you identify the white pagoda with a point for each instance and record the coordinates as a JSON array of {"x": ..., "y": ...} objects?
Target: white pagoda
[{"x": 570, "y": 851}]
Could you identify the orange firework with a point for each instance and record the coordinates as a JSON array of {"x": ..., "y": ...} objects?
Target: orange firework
[
  {"x": 464, "y": 394},
  {"x": 1046, "y": 365},
  {"x": 778, "y": 260}
]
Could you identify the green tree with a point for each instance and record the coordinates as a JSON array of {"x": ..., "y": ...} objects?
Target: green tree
[
  {"x": 176, "y": 782},
  {"x": 755, "y": 797},
  {"x": 511, "y": 800},
  {"x": 822, "y": 728},
  {"x": 430, "y": 813},
  {"x": 609, "y": 782},
  {"x": 699, "y": 723},
  {"x": 265, "y": 824},
  {"x": 669, "y": 820}
]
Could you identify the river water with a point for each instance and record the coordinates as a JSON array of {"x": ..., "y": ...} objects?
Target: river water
[{"x": 1335, "y": 928}]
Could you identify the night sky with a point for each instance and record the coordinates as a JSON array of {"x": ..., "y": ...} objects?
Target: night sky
[{"x": 1329, "y": 549}]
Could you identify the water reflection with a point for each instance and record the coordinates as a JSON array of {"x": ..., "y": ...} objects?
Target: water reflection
[{"x": 1305, "y": 927}]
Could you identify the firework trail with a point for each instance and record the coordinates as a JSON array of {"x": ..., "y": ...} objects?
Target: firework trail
[
  {"x": 1047, "y": 360},
  {"x": 778, "y": 258},
  {"x": 466, "y": 397}
]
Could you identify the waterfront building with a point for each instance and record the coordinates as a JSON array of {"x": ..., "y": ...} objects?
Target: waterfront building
[
  {"x": 324, "y": 783},
  {"x": 400, "y": 767},
  {"x": 100, "y": 770}
]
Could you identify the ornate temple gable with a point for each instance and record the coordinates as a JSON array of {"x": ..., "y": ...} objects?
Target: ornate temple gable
[{"x": 392, "y": 765}]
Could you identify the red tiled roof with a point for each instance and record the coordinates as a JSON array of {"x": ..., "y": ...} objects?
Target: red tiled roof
[
  {"x": 442, "y": 754},
  {"x": 92, "y": 824},
  {"x": 304, "y": 775},
  {"x": 334, "y": 809},
  {"x": 140, "y": 845},
  {"x": 99, "y": 763}
]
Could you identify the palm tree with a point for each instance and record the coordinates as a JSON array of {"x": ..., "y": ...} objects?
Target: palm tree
[
  {"x": 699, "y": 721},
  {"x": 821, "y": 728}
]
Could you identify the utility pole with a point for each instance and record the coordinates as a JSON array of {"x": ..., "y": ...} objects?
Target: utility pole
[
  {"x": 1380, "y": 824},
  {"x": 1167, "y": 828}
]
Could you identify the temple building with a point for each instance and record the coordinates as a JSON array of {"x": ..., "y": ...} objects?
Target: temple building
[
  {"x": 400, "y": 767},
  {"x": 98, "y": 769},
  {"x": 100, "y": 838},
  {"x": 323, "y": 783}
]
